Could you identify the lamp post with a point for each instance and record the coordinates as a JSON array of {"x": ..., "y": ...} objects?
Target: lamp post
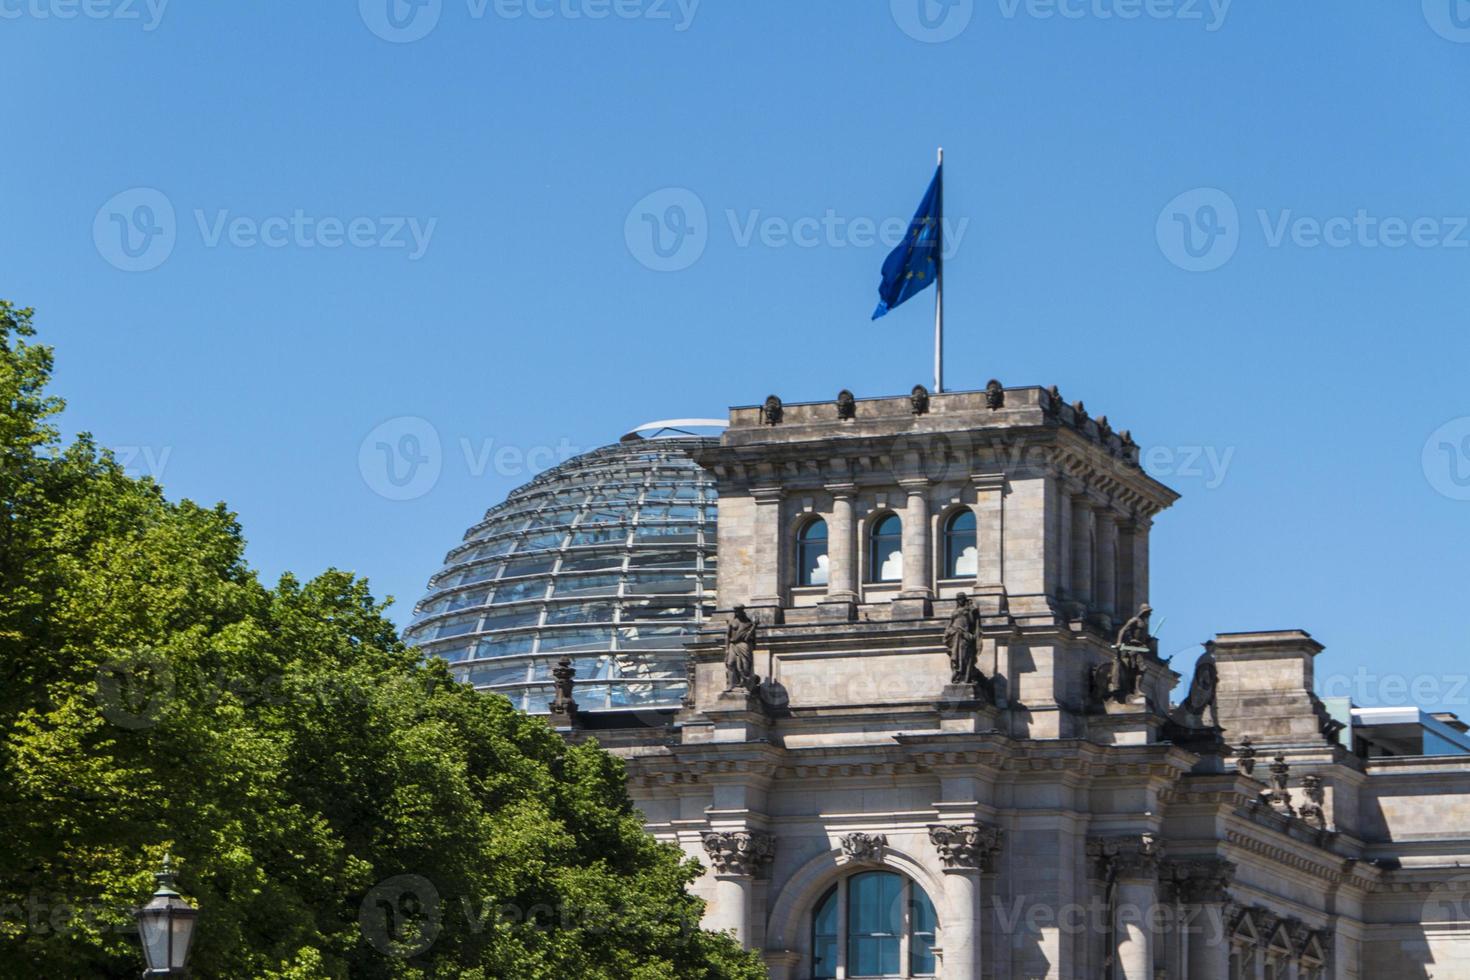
[{"x": 166, "y": 925}]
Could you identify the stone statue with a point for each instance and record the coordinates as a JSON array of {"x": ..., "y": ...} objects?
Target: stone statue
[
  {"x": 740, "y": 652},
  {"x": 1202, "y": 689},
  {"x": 772, "y": 411},
  {"x": 1135, "y": 632},
  {"x": 961, "y": 636},
  {"x": 1127, "y": 673},
  {"x": 846, "y": 405},
  {"x": 919, "y": 400},
  {"x": 1100, "y": 684},
  {"x": 995, "y": 395}
]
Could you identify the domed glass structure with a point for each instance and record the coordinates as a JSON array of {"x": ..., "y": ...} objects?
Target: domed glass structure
[{"x": 608, "y": 559}]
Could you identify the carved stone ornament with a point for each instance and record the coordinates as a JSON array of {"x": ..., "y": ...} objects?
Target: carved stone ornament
[
  {"x": 563, "y": 706},
  {"x": 1201, "y": 881},
  {"x": 968, "y": 847},
  {"x": 1278, "y": 796},
  {"x": 995, "y": 395},
  {"x": 1312, "y": 811},
  {"x": 864, "y": 847},
  {"x": 1245, "y": 759},
  {"x": 1052, "y": 405},
  {"x": 1133, "y": 856},
  {"x": 740, "y": 852},
  {"x": 772, "y": 411},
  {"x": 846, "y": 405},
  {"x": 919, "y": 400},
  {"x": 563, "y": 674}
]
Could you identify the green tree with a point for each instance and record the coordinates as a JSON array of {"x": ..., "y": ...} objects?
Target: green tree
[{"x": 335, "y": 807}]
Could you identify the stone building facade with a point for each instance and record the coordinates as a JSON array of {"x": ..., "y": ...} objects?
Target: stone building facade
[{"x": 869, "y": 805}]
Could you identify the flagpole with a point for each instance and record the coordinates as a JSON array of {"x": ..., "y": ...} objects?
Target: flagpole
[{"x": 939, "y": 288}]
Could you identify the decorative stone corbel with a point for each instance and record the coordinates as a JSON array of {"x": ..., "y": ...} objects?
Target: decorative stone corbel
[
  {"x": 740, "y": 852},
  {"x": 862, "y": 847},
  {"x": 967, "y": 847}
]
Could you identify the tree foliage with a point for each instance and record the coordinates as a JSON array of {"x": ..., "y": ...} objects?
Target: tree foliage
[{"x": 335, "y": 807}]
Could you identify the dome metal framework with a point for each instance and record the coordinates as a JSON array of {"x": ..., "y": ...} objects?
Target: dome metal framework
[{"x": 608, "y": 559}]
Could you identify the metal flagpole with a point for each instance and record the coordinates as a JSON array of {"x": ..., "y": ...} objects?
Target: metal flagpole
[{"x": 939, "y": 287}]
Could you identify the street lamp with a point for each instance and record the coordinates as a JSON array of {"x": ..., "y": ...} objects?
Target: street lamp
[{"x": 166, "y": 924}]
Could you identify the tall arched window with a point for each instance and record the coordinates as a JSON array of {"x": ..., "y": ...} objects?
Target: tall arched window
[
  {"x": 811, "y": 553},
  {"x": 874, "y": 924},
  {"x": 885, "y": 550},
  {"x": 961, "y": 553}
]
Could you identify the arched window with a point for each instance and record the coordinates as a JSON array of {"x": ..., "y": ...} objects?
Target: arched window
[
  {"x": 874, "y": 924},
  {"x": 961, "y": 553},
  {"x": 885, "y": 550},
  {"x": 811, "y": 553}
]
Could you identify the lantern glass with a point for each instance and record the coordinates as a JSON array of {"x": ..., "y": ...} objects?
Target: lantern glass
[
  {"x": 166, "y": 926},
  {"x": 153, "y": 923},
  {"x": 181, "y": 925}
]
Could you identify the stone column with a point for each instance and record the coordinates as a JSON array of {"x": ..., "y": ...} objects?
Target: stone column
[
  {"x": 967, "y": 852},
  {"x": 990, "y": 576},
  {"x": 1131, "y": 865},
  {"x": 1064, "y": 537},
  {"x": 1105, "y": 589},
  {"x": 841, "y": 546},
  {"x": 1140, "y": 564},
  {"x": 917, "y": 557},
  {"x": 1202, "y": 888},
  {"x": 737, "y": 857},
  {"x": 1126, "y": 589},
  {"x": 1081, "y": 591},
  {"x": 769, "y": 567}
]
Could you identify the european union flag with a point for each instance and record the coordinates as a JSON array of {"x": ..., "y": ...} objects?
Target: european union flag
[{"x": 914, "y": 265}]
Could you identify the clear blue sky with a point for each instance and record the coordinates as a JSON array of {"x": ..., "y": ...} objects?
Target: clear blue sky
[{"x": 527, "y": 314}]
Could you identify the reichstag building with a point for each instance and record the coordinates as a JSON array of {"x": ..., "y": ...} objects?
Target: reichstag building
[{"x": 885, "y": 667}]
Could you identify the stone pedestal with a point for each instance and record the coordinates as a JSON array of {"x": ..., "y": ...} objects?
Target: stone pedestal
[
  {"x": 913, "y": 607},
  {"x": 563, "y": 715},
  {"x": 966, "y": 708},
  {"x": 739, "y": 716},
  {"x": 837, "y": 609},
  {"x": 1125, "y": 724}
]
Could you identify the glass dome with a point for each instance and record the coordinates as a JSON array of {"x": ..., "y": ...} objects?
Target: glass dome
[{"x": 608, "y": 559}]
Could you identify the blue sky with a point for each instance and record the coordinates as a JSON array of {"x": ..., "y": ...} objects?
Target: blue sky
[{"x": 1237, "y": 229}]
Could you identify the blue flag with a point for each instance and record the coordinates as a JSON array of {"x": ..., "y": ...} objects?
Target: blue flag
[{"x": 914, "y": 265}]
